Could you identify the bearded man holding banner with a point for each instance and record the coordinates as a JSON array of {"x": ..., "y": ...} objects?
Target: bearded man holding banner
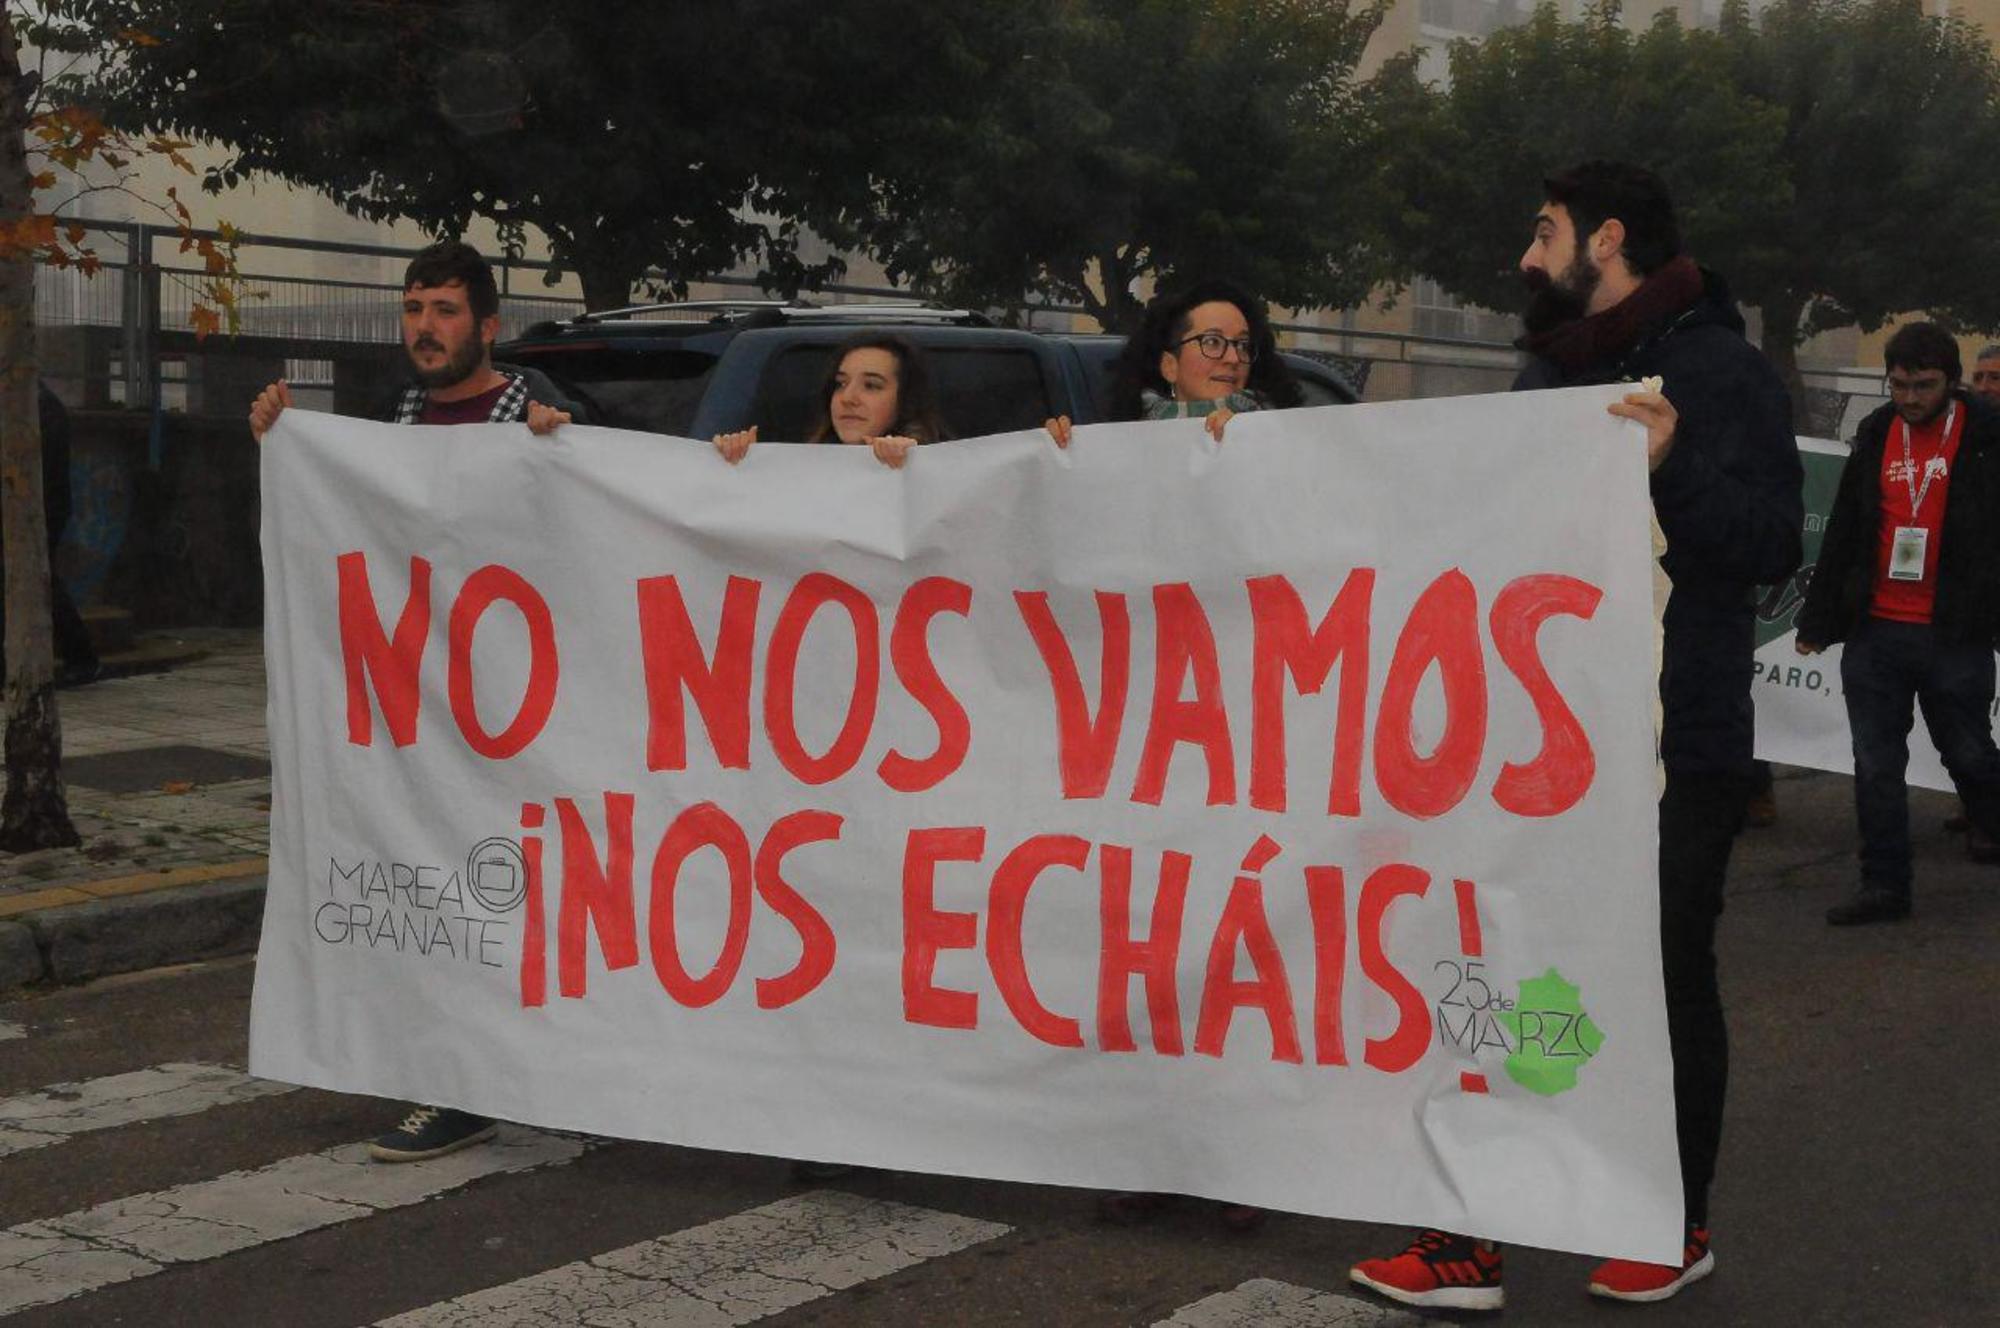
[
  {"x": 1909, "y": 578},
  {"x": 451, "y": 317},
  {"x": 1616, "y": 299}
]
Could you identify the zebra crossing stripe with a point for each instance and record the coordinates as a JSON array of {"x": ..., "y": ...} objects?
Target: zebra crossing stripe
[
  {"x": 51, "y": 1115},
  {"x": 732, "y": 1271},
  {"x": 8, "y": 1032},
  {"x": 60, "y": 1257},
  {"x": 1264, "y": 1303}
]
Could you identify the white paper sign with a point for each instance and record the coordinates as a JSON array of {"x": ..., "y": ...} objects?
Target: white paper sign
[{"x": 1272, "y": 821}]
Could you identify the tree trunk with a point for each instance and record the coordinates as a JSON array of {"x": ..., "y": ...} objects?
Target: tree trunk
[
  {"x": 1782, "y": 314},
  {"x": 34, "y": 813},
  {"x": 605, "y": 286},
  {"x": 1117, "y": 311}
]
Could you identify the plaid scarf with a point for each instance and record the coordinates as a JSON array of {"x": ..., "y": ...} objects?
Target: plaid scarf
[
  {"x": 1157, "y": 407},
  {"x": 511, "y": 406}
]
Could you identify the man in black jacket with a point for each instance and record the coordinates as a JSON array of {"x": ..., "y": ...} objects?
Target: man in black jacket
[
  {"x": 451, "y": 316},
  {"x": 1615, "y": 299},
  {"x": 1909, "y": 577}
]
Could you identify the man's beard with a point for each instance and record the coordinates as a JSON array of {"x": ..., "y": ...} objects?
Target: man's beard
[
  {"x": 1917, "y": 417},
  {"x": 1554, "y": 301},
  {"x": 459, "y": 365}
]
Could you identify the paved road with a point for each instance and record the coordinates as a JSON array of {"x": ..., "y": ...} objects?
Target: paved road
[{"x": 148, "y": 1181}]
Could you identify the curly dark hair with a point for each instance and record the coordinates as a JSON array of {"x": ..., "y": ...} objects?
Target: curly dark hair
[
  {"x": 1596, "y": 191},
  {"x": 447, "y": 261},
  {"x": 917, "y": 414},
  {"x": 1167, "y": 322},
  {"x": 1919, "y": 346}
]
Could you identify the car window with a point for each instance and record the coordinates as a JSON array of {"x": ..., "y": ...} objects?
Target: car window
[
  {"x": 981, "y": 390},
  {"x": 1319, "y": 393},
  {"x": 651, "y": 389},
  {"x": 1100, "y": 372}
]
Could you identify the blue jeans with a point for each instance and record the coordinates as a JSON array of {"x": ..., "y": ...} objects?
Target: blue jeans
[{"x": 1886, "y": 666}]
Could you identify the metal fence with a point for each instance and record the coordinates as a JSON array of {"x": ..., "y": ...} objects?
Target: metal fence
[{"x": 126, "y": 337}]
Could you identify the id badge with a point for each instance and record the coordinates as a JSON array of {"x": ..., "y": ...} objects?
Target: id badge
[{"x": 1906, "y": 553}]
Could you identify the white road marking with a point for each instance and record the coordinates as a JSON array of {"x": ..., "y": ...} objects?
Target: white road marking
[
  {"x": 66, "y": 1256},
  {"x": 733, "y": 1271},
  {"x": 8, "y": 1032},
  {"x": 53, "y": 1114},
  {"x": 1264, "y": 1303}
]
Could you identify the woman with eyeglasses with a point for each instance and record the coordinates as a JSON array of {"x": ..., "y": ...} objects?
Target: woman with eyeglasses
[{"x": 1205, "y": 351}]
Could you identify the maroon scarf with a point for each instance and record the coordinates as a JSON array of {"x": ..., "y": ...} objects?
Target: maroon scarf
[{"x": 1609, "y": 336}]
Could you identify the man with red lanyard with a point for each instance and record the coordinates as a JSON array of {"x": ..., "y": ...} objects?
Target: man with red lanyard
[
  {"x": 451, "y": 316},
  {"x": 1909, "y": 578}
]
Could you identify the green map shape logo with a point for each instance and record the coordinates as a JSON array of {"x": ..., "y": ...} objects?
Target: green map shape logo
[{"x": 1553, "y": 1036}]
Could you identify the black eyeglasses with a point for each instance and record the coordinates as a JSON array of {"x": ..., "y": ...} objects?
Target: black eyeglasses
[{"x": 1214, "y": 343}]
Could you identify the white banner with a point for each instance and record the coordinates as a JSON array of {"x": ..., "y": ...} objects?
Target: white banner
[{"x": 1271, "y": 821}]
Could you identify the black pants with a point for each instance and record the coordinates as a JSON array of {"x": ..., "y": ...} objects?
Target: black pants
[
  {"x": 70, "y": 635},
  {"x": 1700, "y": 814},
  {"x": 1885, "y": 668}
]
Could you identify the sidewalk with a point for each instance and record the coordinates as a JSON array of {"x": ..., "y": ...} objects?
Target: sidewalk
[{"x": 169, "y": 785}]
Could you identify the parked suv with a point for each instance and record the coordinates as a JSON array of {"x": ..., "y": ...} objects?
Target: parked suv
[{"x": 696, "y": 369}]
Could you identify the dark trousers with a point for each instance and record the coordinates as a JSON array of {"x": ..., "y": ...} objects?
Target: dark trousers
[
  {"x": 1885, "y": 667},
  {"x": 1700, "y": 814},
  {"x": 70, "y": 635}
]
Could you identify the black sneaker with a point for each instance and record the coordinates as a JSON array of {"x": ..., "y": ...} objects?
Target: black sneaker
[
  {"x": 1871, "y": 905},
  {"x": 431, "y": 1132}
]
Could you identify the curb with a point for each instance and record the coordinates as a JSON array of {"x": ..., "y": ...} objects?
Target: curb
[
  {"x": 20, "y": 957},
  {"x": 76, "y": 933}
]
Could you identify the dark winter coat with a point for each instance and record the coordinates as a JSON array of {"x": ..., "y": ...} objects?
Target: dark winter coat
[
  {"x": 1729, "y": 497},
  {"x": 1967, "y": 608}
]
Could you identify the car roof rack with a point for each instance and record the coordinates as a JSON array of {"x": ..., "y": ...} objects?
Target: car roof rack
[
  {"x": 913, "y": 309},
  {"x": 769, "y": 311},
  {"x": 669, "y": 306}
]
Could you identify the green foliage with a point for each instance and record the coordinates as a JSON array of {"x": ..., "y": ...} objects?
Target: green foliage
[
  {"x": 1547, "y": 94},
  {"x": 666, "y": 135},
  {"x": 1819, "y": 155},
  {"x": 1890, "y": 120},
  {"x": 1162, "y": 139},
  {"x": 982, "y": 149}
]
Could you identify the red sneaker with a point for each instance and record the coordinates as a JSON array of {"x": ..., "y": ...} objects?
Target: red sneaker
[
  {"x": 1438, "y": 1269},
  {"x": 1626, "y": 1279}
]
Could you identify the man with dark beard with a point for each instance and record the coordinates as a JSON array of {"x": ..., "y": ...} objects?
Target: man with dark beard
[
  {"x": 1909, "y": 577},
  {"x": 451, "y": 316},
  {"x": 1614, "y": 298}
]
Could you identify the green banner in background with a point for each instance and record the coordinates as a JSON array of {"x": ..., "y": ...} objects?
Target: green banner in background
[{"x": 1823, "y": 462}]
